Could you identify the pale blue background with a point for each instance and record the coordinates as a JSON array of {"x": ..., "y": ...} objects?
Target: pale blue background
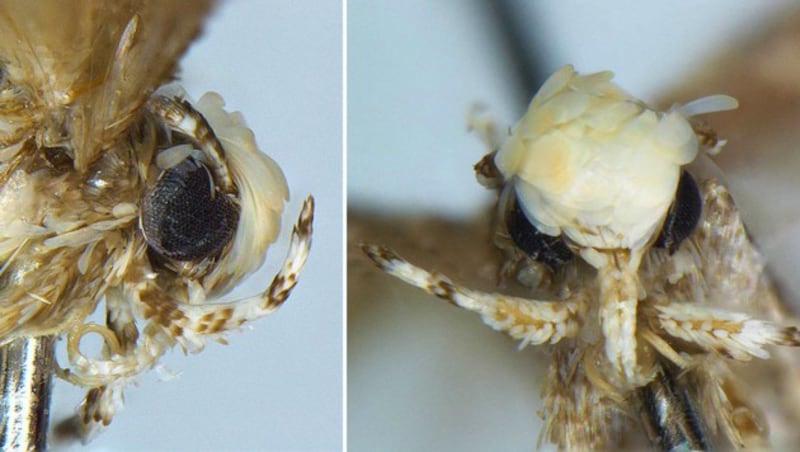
[{"x": 416, "y": 66}]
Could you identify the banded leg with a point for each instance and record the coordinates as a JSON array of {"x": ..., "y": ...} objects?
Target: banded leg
[
  {"x": 531, "y": 321},
  {"x": 731, "y": 334},
  {"x": 101, "y": 403},
  {"x": 180, "y": 116},
  {"x": 187, "y": 324},
  {"x": 201, "y": 321}
]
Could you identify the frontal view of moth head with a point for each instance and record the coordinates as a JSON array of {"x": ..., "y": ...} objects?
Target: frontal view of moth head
[
  {"x": 637, "y": 271},
  {"x": 117, "y": 192}
]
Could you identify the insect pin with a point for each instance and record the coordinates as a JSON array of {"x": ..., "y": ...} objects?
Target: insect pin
[
  {"x": 638, "y": 274},
  {"x": 119, "y": 193}
]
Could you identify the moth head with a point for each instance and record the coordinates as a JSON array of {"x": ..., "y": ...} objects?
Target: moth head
[
  {"x": 195, "y": 228},
  {"x": 596, "y": 166}
]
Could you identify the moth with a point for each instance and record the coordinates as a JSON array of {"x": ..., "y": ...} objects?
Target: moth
[
  {"x": 630, "y": 263},
  {"x": 120, "y": 193}
]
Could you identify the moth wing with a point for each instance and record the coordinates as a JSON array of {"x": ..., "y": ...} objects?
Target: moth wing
[
  {"x": 735, "y": 278},
  {"x": 87, "y": 66},
  {"x": 732, "y": 268}
]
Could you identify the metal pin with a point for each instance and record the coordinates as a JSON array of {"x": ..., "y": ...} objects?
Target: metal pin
[
  {"x": 26, "y": 372},
  {"x": 669, "y": 416}
]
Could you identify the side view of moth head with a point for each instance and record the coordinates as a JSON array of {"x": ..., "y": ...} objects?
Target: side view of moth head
[
  {"x": 633, "y": 269},
  {"x": 120, "y": 193}
]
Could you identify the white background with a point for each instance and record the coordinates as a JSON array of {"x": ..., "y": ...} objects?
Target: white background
[
  {"x": 277, "y": 386},
  {"x": 433, "y": 377}
]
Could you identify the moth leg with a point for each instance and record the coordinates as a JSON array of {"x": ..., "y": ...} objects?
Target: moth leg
[
  {"x": 120, "y": 319},
  {"x": 531, "y": 321},
  {"x": 104, "y": 397},
  {"x": 192, "y": 324},
  {"x": 180, "y": 116},
  {"x": 171, "y": 322},
  {"x": 101, "y": 403},
  {"x": 725, "y": 405},
  {"x": 97, "y": 410},
  {"x": 734, "y": 335},
  {"x": 707, "y": 387}
]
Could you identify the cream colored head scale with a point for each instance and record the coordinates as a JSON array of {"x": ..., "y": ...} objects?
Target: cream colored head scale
[{"x": 592, "y": 163}]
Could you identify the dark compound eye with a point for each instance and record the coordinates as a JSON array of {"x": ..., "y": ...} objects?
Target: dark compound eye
[
  {"x": 182, "y": 218},
  {"x": 547, "y": 249},
  {"x": 683, "y": 214}
]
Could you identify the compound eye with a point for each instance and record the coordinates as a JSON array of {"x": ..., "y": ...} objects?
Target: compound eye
[
  {"x": 540, "y": 247},
  {"x": 683, "y": 214},
  {"x": 183, "y": 217}
]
